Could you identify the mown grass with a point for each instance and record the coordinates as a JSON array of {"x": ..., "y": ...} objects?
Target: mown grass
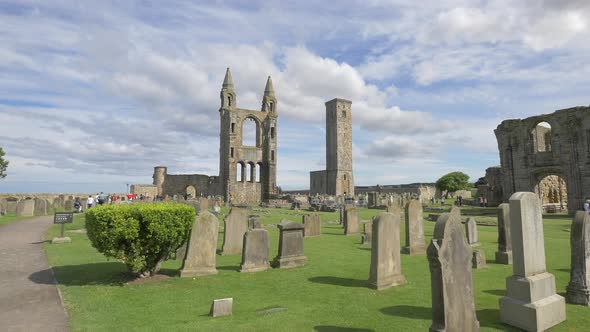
[
  {"x": 329, "y": 294},
  {"x": 10, "y": 218}
]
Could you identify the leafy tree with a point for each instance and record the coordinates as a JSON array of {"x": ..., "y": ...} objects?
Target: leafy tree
[
  {"x": 452, "y": 182},
  {"x": 481, "y": 181},
  {"x": 3, "y": 164}
]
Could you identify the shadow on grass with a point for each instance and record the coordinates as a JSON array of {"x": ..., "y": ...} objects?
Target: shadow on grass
[
  {"x": 408, "y": 311},
  {"x": 345, "y": 282},
  {"x": 229, "y": 268},
  {"x": 40, "y": 242},
  {"x": 563, "y": 270},
  {"x": 331, "y": 328},
  {"x": 497, "y": 292},
  {"x": 556, "y": 216},
  {"x": 108, "y": 273},
  {"x": 365, "y": 248},
  {"x": 491, "y": 318}
]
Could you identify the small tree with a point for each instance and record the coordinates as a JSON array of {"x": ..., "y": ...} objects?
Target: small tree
[
  {"x": 3, "y": 164},
  {"x": 452, "y": 182},
  {"x": 480, "y": 182},
  {"x": 141, "y": 235}
]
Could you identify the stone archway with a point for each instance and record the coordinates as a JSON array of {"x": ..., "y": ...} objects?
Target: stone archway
[{"x": 552, "y": 190}]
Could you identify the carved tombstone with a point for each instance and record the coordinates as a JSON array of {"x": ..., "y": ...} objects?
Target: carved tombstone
[
  {"x": 312, "y": 225},
  {"x": 69, "y": 205},
  {"x": 11, "y": 206},
  {"x": 504, "y": 253},
  {"x": 254, "y": 222},
  {"x": 368, "y": 232},
  {"x": 255, "y": 252},
  {"x": 40, "y": 207},
  {"x": 478, "y": 261},
  {"x": 449, "y": 257},
  {"x": 236, "y": 224},
  {"x": 530, "y": 302},
  {"x": 578, "y": 289},
  {"x": 471, "y": 232},
  {"x": 414, "y": 229},
  {"x": 351, "y": 221},
  {"x": 386, "y": 264},
  {"x": 25, "y": 208},
  {"x": 290, "y": 245},
  {"x": 202, "y": 246}
]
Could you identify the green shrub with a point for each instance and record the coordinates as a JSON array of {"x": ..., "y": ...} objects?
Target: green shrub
[{"x": 142, "y": 235}]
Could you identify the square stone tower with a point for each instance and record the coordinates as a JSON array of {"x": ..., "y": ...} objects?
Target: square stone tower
[{"x": 339, "y": 178}]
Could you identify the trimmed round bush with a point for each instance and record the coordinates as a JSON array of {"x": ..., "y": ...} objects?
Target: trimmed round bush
[{"x": 141, "y": 235}]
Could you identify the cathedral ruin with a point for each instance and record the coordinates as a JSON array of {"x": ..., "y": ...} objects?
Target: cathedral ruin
[
  {"x": 337, "y": 179},
  {"x": 247, "y": 154},
  {"x": 547, "y": 154}
]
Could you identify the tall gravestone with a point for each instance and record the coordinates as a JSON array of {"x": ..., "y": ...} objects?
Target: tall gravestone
[
  {"x": 255, "y": 252},
  {"x": 386, "y": 264},
  {"x": 69, "y": 205},
  {"x": 414, "y": 229},
  {"x": 578, "y": 289},
  {"x": 530, "y": 302},
  {"x": 236, "y": 224},
  {"x": 471, "y": 232},
  {"x": 25, "y": 208},
  {"x": 11, "y": 206},
  {"x": 449, "y": 257},
  {"x": 312, "y": 225},
  {"x": 351, "y": 221},
  {"x": 40, "y": 207},
  {"x": 2, "y": 206},
  {"x": 368, "y": 232},
  {"x": 290, "y": 245},
  {"x": 201, "y": 248},
  {"x": 504, "y": 253}
]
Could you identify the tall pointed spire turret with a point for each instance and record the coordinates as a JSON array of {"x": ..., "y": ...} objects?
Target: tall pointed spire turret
[
  {"x": 228, "y": 81},
  {"x": 269, "y": 89}
]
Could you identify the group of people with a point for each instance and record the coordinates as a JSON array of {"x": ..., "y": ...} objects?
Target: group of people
[{"x": 102, "y": 198}]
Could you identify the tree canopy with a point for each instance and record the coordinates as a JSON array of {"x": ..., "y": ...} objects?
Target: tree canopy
[
  {"x": 3, "y": 164},
  {"x": 452, "y": 182}
]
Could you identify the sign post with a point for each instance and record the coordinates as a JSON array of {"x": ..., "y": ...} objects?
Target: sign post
[{"x": 62, "y": 218}]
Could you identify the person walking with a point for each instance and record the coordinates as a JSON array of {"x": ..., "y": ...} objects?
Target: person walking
[
  {"x": 90, "y": 201},
  {"x": 587, "y": 205}
]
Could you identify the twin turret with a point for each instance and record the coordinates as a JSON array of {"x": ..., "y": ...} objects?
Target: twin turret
[{"x": 228, "y": 94}]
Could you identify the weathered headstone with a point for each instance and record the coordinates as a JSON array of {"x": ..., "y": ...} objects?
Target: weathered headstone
[
  {"x": 449, "y": 257},
  {"x": 2, "y": 206},
  {"x": 471, "y": 232},
  {"x": 414, "y": 229},
  {"x": 40, "y": 207},
  {"x": 11, "y": 206},
  {"x": 290, "y": 245},
  {"x": 504, "y": 253},
  {"x": 25, "y": 208},
  {"x": 351, "y": 221},
  {"x": 255, "y": 252},
  {"x": 221, "y": 307},
  {"x": 530, "y": 302},
  {"x": 578, "y": 289},
  {"x": 202, "y": 245},
  {"x": 254, "y": 222},
  {"x": 69, "y": 205},
  {"x": 312, "y": 225},
  {"x": 394, "y": 208},
  {"x": 478, "y": 261},
  {"x": 386, "y": 264},
  {"x": 236, "y": 224},
  {"x": 368, "y": 232},
  {"x": 203, "y": 204}
]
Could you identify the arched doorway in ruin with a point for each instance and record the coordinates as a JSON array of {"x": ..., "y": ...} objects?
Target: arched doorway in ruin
[
  {"x": 191, "y": 192},
  {"x": 552, "y": 190}
]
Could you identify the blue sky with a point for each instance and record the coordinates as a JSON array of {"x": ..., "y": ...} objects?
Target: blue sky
[{"x": 94, "y": 94}]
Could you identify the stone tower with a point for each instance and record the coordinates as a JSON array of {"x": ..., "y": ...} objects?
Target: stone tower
[
  {"x": 247, "y": 173},
  {"x": 339, "y": 176},
  {"x": 159, "y": 177}
]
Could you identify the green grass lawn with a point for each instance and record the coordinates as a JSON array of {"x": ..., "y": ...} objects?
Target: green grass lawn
[
  {"x": 329, "y": 294},
  {"x": 10, "y": 218}
]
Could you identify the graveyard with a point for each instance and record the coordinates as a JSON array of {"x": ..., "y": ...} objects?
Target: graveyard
[{"x": 331, "y": 292}]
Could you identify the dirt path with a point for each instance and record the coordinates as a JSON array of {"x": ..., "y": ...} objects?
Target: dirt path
[{"x": 29, "y": 300}]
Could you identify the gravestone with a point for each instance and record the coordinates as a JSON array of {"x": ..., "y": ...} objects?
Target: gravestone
[
  {"x": 449, "y": 257},
  {"x": 290, "y": 245},
  {"x": 530, "y": 302},
  {"x": 221, "y": 307},
  {"x": 504, "y": 253},
  {"x": 236, "y": 224},
  {"x": 386, "y": 264},
  {"x": 202, "y": 245},
  {"x": 25, "y": 208},
  {"x": 11, "y": 206},
  {"x": 69, "y": 205},
  {"x": 471, "y": 232},
  {"x": 368, "y": 232},
  {"x": 255, "y": 252},
  {"x": 578, "y": 289},
  {"x": 40, "y": 207},
  {"x": 351, "y": 221},
  {"x": 203, "y": 204},
  {"x": 414, "y": 229},
  {"x": 394, "y": 208},
  {"x": 312, "y": 225},
  {"x": 57, "y": 203},
  {"x": 2, "y": 205},
  {"x": 478, "y": 260},
  {"x": 254, "y": 222}
]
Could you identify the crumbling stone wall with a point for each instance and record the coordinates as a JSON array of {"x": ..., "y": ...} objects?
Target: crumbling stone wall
[{"x": 529, "y": 153}]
